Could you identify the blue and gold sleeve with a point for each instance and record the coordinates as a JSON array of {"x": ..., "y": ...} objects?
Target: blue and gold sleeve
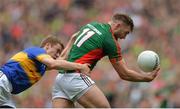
[{"x": 37, "y": 53}]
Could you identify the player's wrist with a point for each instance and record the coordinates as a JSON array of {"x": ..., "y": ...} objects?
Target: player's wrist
[{"x": 79, "y": 66}]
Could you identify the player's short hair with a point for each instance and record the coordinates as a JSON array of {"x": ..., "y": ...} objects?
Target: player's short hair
[
  {"x": 125, "y": 18},
  {"x": 53, "y": 40}
]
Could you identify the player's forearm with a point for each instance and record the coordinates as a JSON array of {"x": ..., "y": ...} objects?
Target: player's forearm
[
  {"x": 134, "y": 76},
  {"x": 130, "y": 75},
  {"x": 63, "y": 64}
]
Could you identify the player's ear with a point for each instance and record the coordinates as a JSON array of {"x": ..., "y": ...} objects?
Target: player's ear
[{"x": 47, "y": 45}]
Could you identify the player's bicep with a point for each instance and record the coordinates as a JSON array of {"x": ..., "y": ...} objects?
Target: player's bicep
[
  {"x": 42, "y": 57},
  {"x": 112, "y": 50},
  {"x": 45, "y": 59}
]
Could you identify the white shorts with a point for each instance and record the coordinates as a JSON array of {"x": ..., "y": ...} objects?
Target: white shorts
[
  {"x": 5, "y": 91},
  {"x": 71, "y": 86}
]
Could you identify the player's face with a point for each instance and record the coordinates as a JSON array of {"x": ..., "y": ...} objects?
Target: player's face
[
  {"x": 54, "y": 50},
  {"x": 122, "y": 31}
]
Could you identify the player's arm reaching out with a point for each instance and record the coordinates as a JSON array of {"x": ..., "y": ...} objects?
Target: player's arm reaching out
[
  {"x": 66, "y": 50},
  {"x": 131, "y": 75},
  {"x": 63, "y": 64}
]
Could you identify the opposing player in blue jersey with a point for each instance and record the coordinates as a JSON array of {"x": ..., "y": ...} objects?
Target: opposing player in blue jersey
[
  {"x": 94, "y": 41},
  {"x": 27, "y": 67}
]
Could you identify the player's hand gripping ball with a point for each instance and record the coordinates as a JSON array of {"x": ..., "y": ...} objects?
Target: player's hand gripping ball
[{"x": 148, "y": 61}]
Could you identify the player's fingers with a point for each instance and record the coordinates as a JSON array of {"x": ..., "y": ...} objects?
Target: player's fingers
[
  {"x": 75, "y": 34},
  {"x": 156, "y": 72},
  {"x": 87, "y": 73},
  {"x": 89, "y": 65},
  {"x": 157, "y": 69},
  {"x": 87, "y": 70}
]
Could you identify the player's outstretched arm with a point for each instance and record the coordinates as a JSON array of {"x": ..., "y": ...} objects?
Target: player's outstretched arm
[
  {"x": 66, "y": 50},
  {"x": 63, "y": 64},
  {"x": 131, "y": 75}
]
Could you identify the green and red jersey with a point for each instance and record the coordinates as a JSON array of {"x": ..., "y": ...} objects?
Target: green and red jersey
[{"x": 94, "y": 41}]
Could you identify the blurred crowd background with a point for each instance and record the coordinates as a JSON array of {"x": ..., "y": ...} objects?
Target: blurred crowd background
[{"x": 24, "y": 23}]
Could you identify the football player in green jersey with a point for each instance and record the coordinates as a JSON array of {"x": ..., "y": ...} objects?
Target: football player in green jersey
[{"x": 94, "y": 41}]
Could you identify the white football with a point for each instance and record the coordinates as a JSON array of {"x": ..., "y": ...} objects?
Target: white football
[{"x": 148, "y": 61}]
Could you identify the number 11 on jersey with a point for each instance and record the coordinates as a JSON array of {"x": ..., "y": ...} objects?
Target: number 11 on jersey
[{"x": 85, "y": 35}]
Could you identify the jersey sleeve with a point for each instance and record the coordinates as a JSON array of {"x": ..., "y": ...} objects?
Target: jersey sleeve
[
  {"x": 38, "y": 53},
  {"x": 112, "y": 49}
]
